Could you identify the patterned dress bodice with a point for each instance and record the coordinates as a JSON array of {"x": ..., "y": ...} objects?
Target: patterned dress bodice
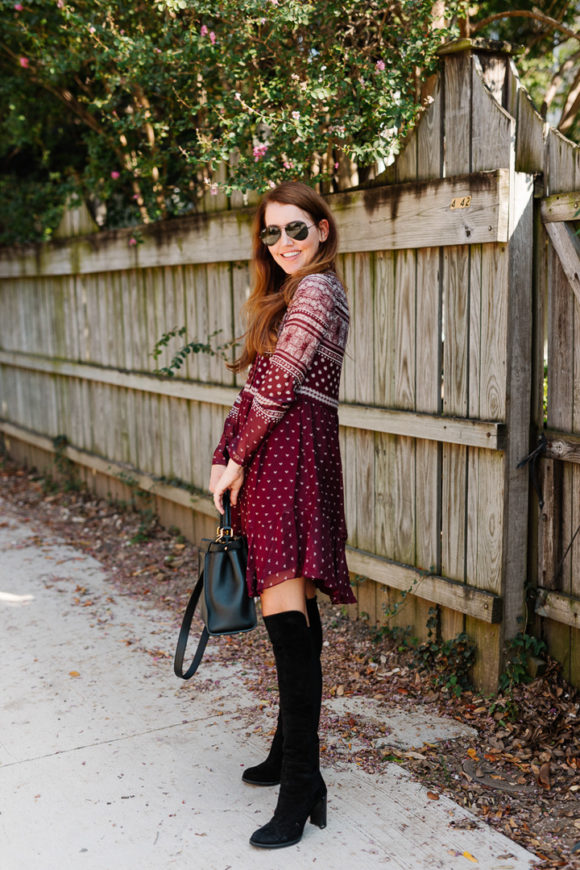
[{"x": 306, "y": 365}]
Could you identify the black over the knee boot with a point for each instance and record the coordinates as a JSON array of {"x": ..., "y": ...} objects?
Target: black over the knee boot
[
  {"x": 268, "y": 772},
  {"x": 302, "y": 789}
]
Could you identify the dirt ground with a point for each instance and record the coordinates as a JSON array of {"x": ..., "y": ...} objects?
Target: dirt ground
[{"x": 522, "y": 773}]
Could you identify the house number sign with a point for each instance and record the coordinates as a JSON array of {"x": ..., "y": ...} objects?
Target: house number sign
[{"x": 460, "y": 202}]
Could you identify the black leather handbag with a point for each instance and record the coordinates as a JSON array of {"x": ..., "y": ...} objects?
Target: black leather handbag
[{"x": 226, "y": 607}]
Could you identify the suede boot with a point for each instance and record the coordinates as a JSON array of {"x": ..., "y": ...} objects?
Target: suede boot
[
  {"x": 268, "y": 772},
  {"x": 302, "y": 789}
]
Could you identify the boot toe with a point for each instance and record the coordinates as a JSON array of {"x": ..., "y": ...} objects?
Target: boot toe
[
  {"x": 261, "y": 775},
  {"x": 276, "y": 835}
]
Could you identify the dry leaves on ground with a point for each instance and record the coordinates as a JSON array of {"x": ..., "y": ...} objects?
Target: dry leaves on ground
[{"x": 522, "y": 773}]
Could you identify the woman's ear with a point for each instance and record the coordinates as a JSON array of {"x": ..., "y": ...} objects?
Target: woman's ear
[{"x": 323, "y": 230}]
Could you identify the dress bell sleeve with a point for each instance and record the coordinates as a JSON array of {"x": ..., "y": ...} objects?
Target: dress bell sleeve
[
  {"x": 303, "y": 328},
  {"x": 221, "y": 453}
]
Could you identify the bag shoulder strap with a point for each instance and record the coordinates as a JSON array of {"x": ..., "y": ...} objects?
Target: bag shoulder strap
[{"x": 184, "y": 634}]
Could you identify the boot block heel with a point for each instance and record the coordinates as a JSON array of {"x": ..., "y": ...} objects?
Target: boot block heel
[{"x": 318, "y": 813}]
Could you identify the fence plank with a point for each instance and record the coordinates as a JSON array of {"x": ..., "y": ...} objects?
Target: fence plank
[
  {"x": 348, "y": 379},
  {"x": 364, "y": 328},
  {"x": 384, "y": 316},
  {"x": 397, "y": 217},
  {"x": 350, "y": 474},
  {"x": 457, "y": 121},
  {"x": 530, "y": 133},
  {"x": 560, "y": 339},
  {"x": 562, "y": 163},
  {"x": 491, "y": 143},
  {"x": 429, "y": 139},
  {"x": 428, "y": 398},
  {"x": 561, "y": 207},
  {"x": 567, "y": 247}
]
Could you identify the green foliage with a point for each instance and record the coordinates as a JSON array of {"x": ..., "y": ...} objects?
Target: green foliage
[
  {"x": 520, "y": 648},
  {"x": 134, "y": 105},
  {"x": 401, "y": 636},
  {"x": 66, "y": 467},
  {"x": 451, "y": 661},
  {"x": 185, "y": 350}
]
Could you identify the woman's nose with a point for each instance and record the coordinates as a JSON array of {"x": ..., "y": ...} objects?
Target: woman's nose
[{"x": 284, "y": 237}]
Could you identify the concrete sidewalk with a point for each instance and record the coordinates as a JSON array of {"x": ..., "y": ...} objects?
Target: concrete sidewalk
[{"x": 108, "y": 762}]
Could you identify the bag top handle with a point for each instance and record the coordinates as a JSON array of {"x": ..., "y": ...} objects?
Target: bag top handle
[{"x": 225, "y": 526}]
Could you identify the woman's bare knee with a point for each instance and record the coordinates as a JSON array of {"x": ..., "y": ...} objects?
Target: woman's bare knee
[{"x": 288, "y": 595}]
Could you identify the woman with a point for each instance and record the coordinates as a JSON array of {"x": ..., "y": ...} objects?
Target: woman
[{"x": 279, "y": 457}]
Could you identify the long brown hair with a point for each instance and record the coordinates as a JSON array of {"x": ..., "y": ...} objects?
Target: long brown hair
[{"x": 273, "y": 289}]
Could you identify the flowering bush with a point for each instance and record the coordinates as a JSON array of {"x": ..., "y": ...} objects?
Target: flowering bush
[{"x": 135, "y": 105}]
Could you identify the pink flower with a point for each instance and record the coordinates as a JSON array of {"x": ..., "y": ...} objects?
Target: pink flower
[
  {"x": 296, "y": 116},
  {"x": 336, "y": 165},
  {"x": 259, "y": 151},
  {"x": 115, "y": 175},
  {"x": 60, "y": 4},
  {"x": 24, "y": 62},
  {"x": 288, "y": 164},
  {"x": 204, "y": 31},
  {"x": 132, "y": 241},
  {"x": 380, "y": 65},
  {"x": 19, "y": 7},
  {"x": 212, "y": 37}
]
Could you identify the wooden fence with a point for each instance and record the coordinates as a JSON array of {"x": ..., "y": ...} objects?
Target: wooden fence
[{"x": 441, "y": 387}]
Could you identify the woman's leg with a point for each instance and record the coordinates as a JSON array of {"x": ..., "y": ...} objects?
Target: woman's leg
[
  {"x": 268, "y": 772},
  {"x": 289, "y": 595},
  {"x": 302, "y": 789}
]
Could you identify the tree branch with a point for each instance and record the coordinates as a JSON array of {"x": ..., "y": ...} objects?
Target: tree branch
[
  {"x": 517, "y": 13},
  {"x": 571, "y": 106}
]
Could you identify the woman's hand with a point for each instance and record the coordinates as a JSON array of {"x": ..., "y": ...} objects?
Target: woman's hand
[
  {"x": 232, "y": 478},
  {"x": 214, "y": 478}
]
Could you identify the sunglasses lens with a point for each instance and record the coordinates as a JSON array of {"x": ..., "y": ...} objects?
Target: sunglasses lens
[
  {"x": 297, "y": 230},
  {"x": 270, "y": 235}
]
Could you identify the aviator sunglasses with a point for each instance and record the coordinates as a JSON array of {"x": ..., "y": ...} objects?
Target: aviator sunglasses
[{"x": 297, "y": 230}]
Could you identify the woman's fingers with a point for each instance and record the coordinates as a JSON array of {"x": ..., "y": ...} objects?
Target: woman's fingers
[
  {"x": 232, "y": 479},
  {"x": 217, "y": 472},
  {"x": 218, "y": 501}
]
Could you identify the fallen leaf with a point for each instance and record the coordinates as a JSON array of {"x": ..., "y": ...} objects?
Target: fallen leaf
[
  {"x": 73, "y": 674},
  {"x": 544, "y": 775},
  {"x": 473, "y": 754},
  {"x": 433, "y": 796},
  {"x": 470, "y": 857}
]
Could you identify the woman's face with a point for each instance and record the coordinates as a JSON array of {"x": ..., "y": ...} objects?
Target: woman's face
[{"x": 293, "y": 254}]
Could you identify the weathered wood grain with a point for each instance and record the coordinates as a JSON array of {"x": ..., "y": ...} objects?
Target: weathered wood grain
[
  {"x": 363, "y": 328},
  {"x": 429, "y": 138},
  {"x": 530, "y": 127},
  {"x": 563, "y": 609},
  {"x": 561, "y": 207},
  {"x": 567, "y": 247},
  {"x": 561, "y": 165},
  {"x": 428, "y": 399},
  {"x": 491, "y": 142},
  {"x": 406, "y": 162},
  {"x": 457, "y": 120},
  {"x": 560, "y": 340},
  {"x": 397, "y": 217}
]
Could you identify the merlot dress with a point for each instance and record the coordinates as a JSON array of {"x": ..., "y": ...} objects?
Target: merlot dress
[{"x": 283, "y": 429}]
